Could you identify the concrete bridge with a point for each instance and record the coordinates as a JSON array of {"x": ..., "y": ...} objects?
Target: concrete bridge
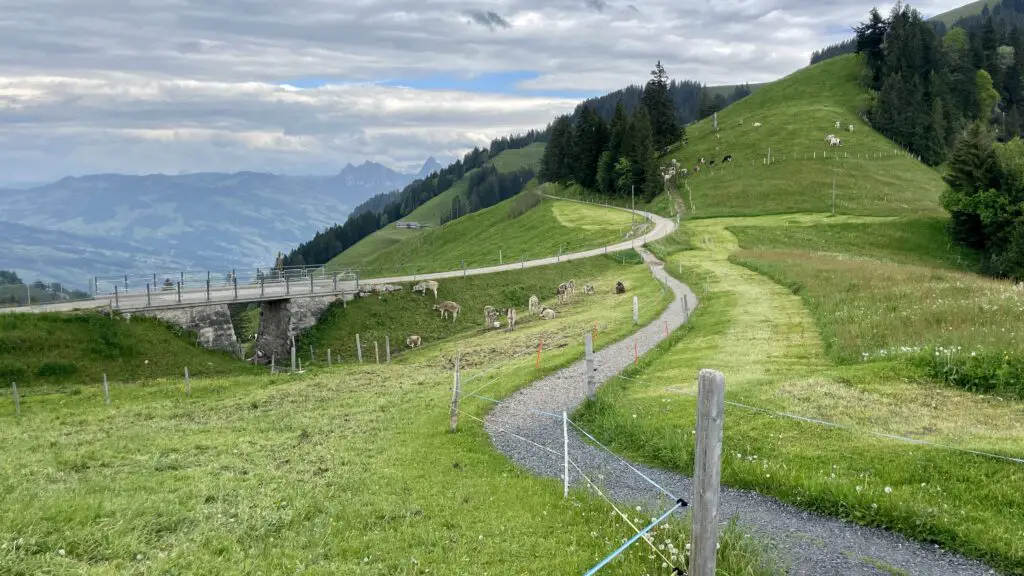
[{"x": 291, "y": 300}]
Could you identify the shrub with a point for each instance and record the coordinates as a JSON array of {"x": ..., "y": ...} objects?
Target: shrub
[
  {"x": 56, "y": 370},
  {"x": 996, "y": 373},
  {"x": 523, "y": 203},
  {"x": 11, "y": 372}
]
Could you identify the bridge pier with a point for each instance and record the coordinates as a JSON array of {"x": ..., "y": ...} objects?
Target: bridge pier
[{"x": 282, "y": 320}]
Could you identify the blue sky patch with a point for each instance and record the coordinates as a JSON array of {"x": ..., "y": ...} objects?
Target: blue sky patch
[{"x": 489, "y": 83}]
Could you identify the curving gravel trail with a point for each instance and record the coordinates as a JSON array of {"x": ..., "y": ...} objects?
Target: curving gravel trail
[{"x": 807, "y": 543}]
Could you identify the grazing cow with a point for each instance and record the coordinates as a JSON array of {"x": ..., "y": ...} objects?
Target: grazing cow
[
  {"x": 685, "y": 172},
  {"x": 696, "y": 169},
  {"x": 572, "y": 286},
  {"x": 422, "y": 288},
  {"x": 534, "y": 304},
  {"x": 548, "y": 314},
  {"x": 701, "y": 162},
  {"x": 562, "y": 292},
  {"x": 712, "y": 163},
  {"x": 511, "y": 317},
  {"x": 447, "y": 308},
  {"x": 835, "y": 142},
  {"x": 838, "y": 124},
  {"x": 490, "y": 316},
  {"x": 588, "y": 289},
  {"x": 757, "y": 124},
  {"x": 850, "y": 127},
  {"x": 829, "y": 137},
  {"x": 413, "y": 341},
  {"x": 620, "y": 288},
  {"x": 728, "y": 158}
]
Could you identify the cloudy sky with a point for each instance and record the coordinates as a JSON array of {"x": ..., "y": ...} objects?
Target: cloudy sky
[{"x": 304, "y": 86}]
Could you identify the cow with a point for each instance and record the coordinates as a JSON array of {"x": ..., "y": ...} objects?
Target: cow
[
  {"x": 757, "y": 124},
  {"x": 413, "y": 341},
  {"x": 620, "y": 288},
  {"x": 850, "y": 127},
  {"x": 572, "y": 286},
  {"x": 728, "y": 158},
  {"x": 534, "y": 304},
  {"x": 548, "y": 314},
  {"x": 701, "y": 161},
  {"x": 562, "y": 292},
  {"x": 490, "y": 316},
  {"x": 588, "y": 289},
  {"x": 835, "y": 142},
  {"x": 447, "y": 308},
  {"x": 685, "y": 172},
  {"x": 511, "y": 316},
  {"x": 838, "y": 124},
  {"x": 422, "y": 287}
]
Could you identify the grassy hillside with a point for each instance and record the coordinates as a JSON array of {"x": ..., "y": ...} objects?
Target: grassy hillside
[
  {"x": 343, "y": 471},
  {"x": 57, "y": 349},
  {"x": 484, "y": 237},
  {"x": 434, "y": 209},
  {"x": 970, "y": 9},
  {"x": 796, "y": 113}
]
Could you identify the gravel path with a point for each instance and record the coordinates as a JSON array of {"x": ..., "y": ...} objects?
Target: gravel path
[{"x": 809, "y": 544}]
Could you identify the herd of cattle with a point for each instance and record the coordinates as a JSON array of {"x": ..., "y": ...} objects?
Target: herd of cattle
[{"x": 564, "y": 292}]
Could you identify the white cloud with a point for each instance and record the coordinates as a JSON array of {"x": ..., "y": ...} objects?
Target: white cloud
[{"x": 186, "y": 85}]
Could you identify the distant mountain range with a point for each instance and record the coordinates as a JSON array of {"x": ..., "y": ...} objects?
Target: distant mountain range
[{"x": 104, "y": 224}]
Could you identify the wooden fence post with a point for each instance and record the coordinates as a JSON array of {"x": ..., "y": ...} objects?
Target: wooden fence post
[
  {"x": 294, "y": 365},
  {"x": 17, "y": 399},
  {"x": 636, "y": 310},
  {"x": 272, "y": 368},
  {"x": 359, "y": 349},
  {"x": 328, "y": 357},
  {"x": 387, "y": 348},
  {"x": 707, "y": 472},
  {"x": 312, "y": 357},
  {"x": 106, "y": 391},
  {"x": 453, "y": 420},
  {"x": 565, "y": 461},
  {"x": 188, "y": 384},
  {"x": 588, "y": 345},
  {"x": 376, "y": 351}
]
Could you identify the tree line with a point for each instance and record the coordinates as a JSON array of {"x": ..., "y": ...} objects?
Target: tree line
[
  {"x": 928, "y": 83},
  {"x": 619, "y": 156},
  {"x": 14, "y": 292},
  {"x": 692, "y": 100},
  {"x": 327, "y": 244},
  {"x": 834, "y": 51},
  {"x": 487, "y": 187}
]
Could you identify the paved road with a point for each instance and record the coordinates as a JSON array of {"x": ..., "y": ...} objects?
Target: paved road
[{"x": 304, "y": 288}]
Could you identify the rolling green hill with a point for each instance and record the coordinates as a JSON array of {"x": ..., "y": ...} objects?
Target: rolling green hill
[
  {"x": 949, "y": 18},
  {"x": 492, "y": 235},
  {"x": 796, "y": 112},
  {"x": 432, "y": 211}
]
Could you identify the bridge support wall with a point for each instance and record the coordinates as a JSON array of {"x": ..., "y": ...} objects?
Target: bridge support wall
[
  {"x": 282, "y": 320},
  {"x": 212, "y": 325}
]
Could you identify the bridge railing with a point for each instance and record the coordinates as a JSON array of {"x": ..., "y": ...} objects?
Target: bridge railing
[{"x": 210, "y": 280}]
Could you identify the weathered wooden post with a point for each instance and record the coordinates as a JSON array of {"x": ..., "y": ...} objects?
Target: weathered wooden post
[
  {"x": 310, "y": 283},
  {"x": 287, "y": 284},
  {"x": 376, "y": 351},
  {"x": 106, "y": 391},
  {"x": 17, "y": 399},
  {"x": 312, "y": 357},
  {"x": 453, "y": 419},
  {"x": 387, "y": 348},
  {"x": 116, "y": 303},
  {"x": 328, "y": 357},
  {"x": 188, "y": 384},
  {"x": 295, "y": 366},
  {"x": 272, "y": 367},
  {"x": 636, "y": 310},
  {"x": 359, "y": 349},
  {"x": 588, "y": 345},
  {"x": 707, "y": 472},
  {"x": 565, "y": 460}
]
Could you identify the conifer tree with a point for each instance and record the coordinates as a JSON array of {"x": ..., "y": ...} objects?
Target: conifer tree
[{"x": 660, "y": 109}]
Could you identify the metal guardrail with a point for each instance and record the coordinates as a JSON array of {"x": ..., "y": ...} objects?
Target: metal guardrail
[{"x": 194, "y": 280}]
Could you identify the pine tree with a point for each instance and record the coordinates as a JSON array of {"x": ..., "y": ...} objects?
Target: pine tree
[
  {"x": 556, "y": 164},
  {"x": 590, "y": 139},
  {"x": 973, "y": 169},
  {"x": 870, "y": 43},
  {"x": 660, "y": 108}
]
